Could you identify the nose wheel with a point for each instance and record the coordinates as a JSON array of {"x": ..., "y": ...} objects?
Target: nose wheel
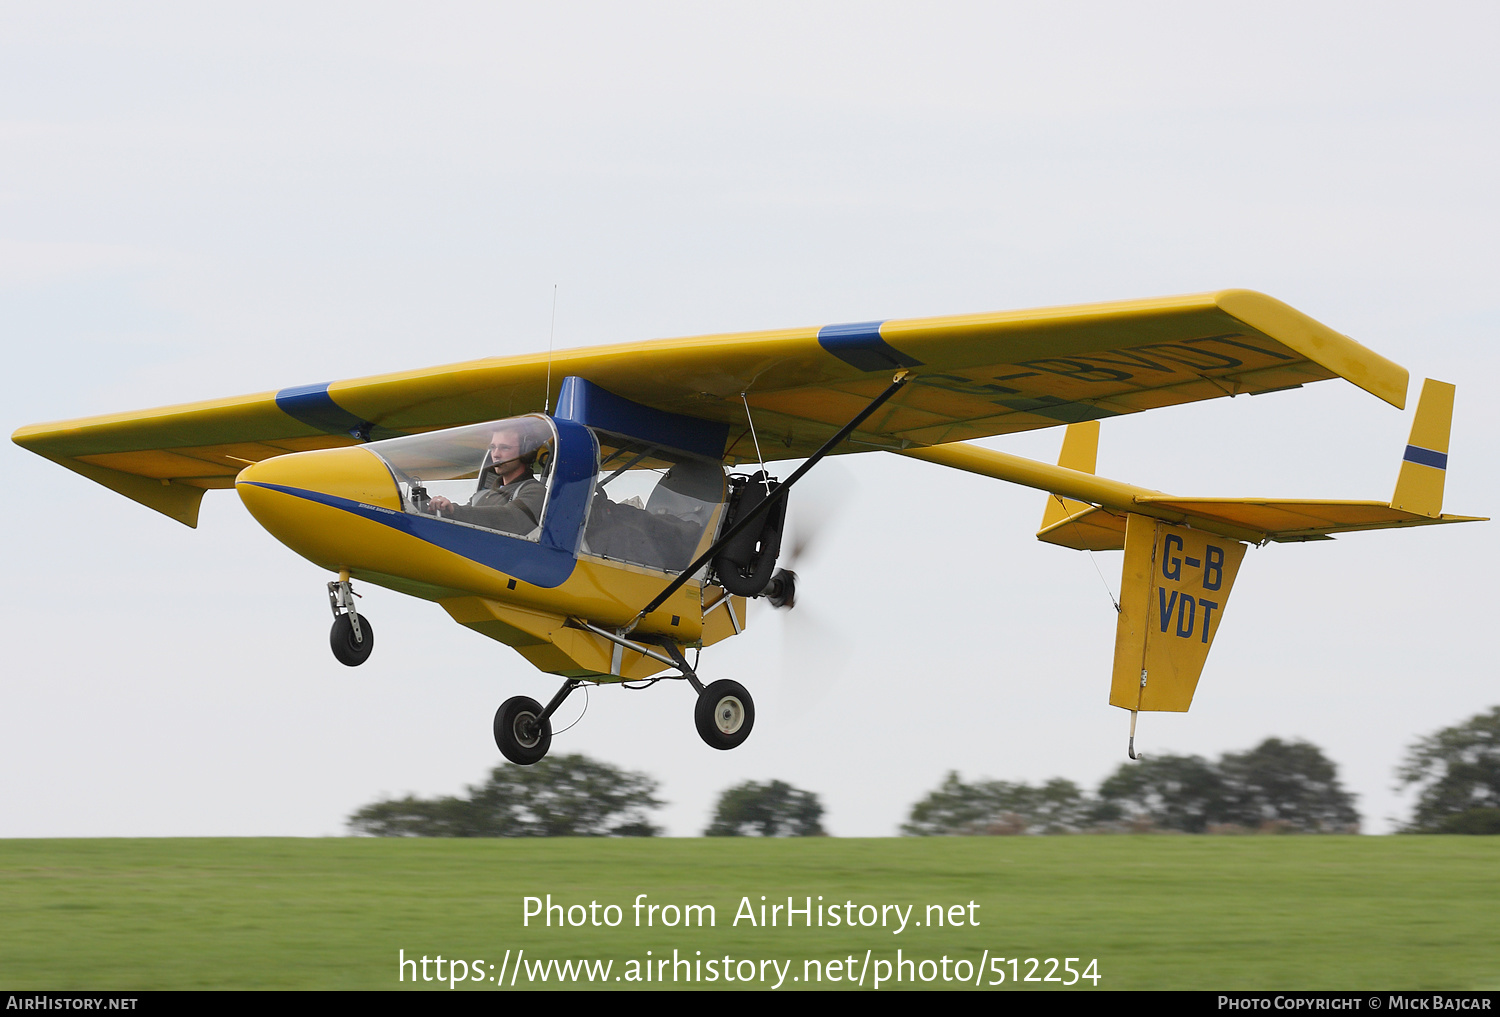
[
  {"x": 353, "y": 637},
  {"x": 352, "y": 648}
]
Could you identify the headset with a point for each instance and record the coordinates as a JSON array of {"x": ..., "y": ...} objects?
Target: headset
[{"x": 533, "y": 447}]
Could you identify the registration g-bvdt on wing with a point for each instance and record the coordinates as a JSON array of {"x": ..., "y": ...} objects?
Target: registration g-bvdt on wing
[{"x": 605, "y": 511}]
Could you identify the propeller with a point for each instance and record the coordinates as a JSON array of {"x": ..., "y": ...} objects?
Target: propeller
[
  {"x": 812, "y": 649},
  {"x": 818, "y": 499}
]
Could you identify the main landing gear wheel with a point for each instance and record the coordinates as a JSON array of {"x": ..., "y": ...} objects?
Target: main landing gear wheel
[
  {"x": 348, "y": 648},
  {"x": 520, "y": 738},
  {"x": 725, "y": 714}
]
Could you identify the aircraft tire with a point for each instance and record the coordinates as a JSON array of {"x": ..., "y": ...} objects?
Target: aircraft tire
[
  {"x": 725, "y": 714},
  {"x": 515, "y": 743},
  {"x": 349, "y": 651}
]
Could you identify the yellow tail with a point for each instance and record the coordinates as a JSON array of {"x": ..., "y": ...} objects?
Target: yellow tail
[
  {"x": 1079, "y": 524},
  {"x": 1173, "y": 594},
  {"x": 1419, "y": 488}
]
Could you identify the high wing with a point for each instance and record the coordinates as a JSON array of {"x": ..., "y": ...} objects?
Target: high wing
[{"x": 973, "y": 376}]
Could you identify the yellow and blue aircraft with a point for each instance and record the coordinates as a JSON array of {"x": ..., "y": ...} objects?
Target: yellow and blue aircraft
[{"x": 598, "y": 527}]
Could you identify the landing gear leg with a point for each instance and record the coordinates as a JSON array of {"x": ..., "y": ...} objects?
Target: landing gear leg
[
  {"x": 352, "y": 637},
  {"x": 724, "y": 713}
]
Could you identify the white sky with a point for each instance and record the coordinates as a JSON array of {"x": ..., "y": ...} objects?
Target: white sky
[{"x": 204, "y": 200}]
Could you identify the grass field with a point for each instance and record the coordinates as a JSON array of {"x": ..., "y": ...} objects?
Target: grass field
[{"x": 1156, "y": 912}]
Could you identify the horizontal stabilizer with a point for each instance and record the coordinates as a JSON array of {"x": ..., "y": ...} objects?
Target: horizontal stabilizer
[
  {"x": 1092, "y": 529},
  {"x": 1293, "y": 519},
  {"x": 1418, "y": 500},
  {"x": 1087, "y": 512}
]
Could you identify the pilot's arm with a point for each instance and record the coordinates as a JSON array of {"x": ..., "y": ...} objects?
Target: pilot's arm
[{"x": 515, "y": 508}]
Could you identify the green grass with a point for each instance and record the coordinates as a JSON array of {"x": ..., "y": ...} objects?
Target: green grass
[{"x": 1157, "y": 912}]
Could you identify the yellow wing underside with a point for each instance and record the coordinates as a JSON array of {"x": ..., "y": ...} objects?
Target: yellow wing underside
[{"x": 974, "y": 376}]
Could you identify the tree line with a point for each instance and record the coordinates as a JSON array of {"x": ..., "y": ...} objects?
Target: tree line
[
  {"x": 574, "y": 796},
  {"x": 1278, "y": 786}
]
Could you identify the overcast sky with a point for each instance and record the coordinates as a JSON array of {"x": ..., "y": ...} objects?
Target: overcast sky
[{"x": 206, "y": 200}]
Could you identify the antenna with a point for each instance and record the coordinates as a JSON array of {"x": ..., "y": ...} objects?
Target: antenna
[{"x": 547, "y": 405}]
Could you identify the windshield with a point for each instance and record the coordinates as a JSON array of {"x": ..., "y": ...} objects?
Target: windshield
[{"x": 492, "y": 475}]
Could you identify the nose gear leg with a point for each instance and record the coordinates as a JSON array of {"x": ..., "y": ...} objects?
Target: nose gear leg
[{"x": 352, "y": 637}]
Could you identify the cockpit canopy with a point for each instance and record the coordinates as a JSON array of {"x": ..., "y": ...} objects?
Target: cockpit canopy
[
  {"x": 649, "y": 505},
  {"x": 458, "y": 474}
]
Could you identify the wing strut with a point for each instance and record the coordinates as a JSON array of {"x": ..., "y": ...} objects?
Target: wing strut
[{"x": 779, "y": 494}]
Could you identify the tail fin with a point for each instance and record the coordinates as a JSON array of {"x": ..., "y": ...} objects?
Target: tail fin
[
  {"x": 1078, "y": 524},
  {"x": 1419, "y": 488},
  {"x": 1080, "y": 451},
  {"x": 1173, "y": 593}
]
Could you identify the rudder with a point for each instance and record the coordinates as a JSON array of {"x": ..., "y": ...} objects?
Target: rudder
[
  {"x": 1173, "y": 592},
  {"x": 1424, "y": 465}
]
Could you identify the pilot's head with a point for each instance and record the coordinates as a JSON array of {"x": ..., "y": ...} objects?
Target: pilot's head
[{"x": 509, "y": 456}]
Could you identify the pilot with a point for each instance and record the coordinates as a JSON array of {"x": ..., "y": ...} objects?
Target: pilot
[{"x": 509, "y": 498}]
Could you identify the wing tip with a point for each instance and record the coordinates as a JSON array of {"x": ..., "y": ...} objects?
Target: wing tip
[
  {"x": 173, "y": 500},
  {"x": 1358, "y": 364}
]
